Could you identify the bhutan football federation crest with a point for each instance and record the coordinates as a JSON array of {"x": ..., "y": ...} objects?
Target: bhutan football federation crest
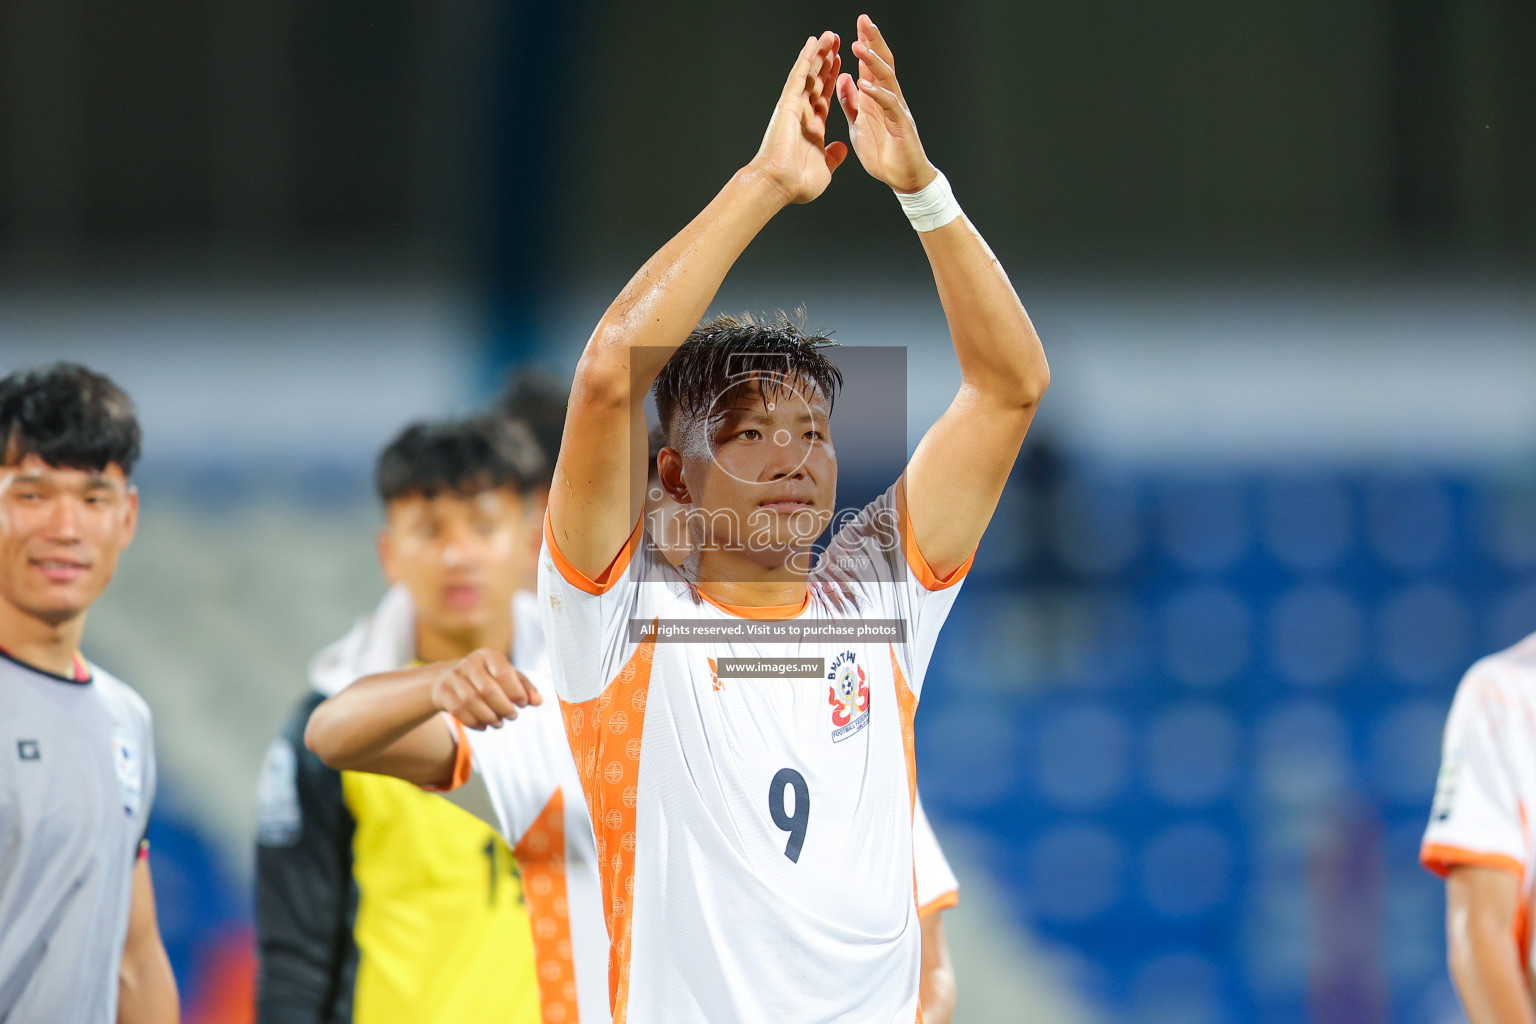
[{"x": 848, "y": 695}]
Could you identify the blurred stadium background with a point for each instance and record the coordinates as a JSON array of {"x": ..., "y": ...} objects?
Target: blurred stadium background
[{"x": 1182, "y": 733}]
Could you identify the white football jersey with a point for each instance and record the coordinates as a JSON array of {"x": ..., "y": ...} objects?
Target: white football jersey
[
  {"x": 755, "y": 835},
  {"x": 1486, "y": 792},
  {"x": 532, "y": 786}
]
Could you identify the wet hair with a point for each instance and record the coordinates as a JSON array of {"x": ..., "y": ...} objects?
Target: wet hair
[
  {"x": 539, "y": 399},
  {"x": 774, "y": 352},
  {"x": 463, "y": 457},
  {"x": 69, "y": 417}
]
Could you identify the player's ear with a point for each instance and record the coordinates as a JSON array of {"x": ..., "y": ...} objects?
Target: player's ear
[
  {"x": 386, "y": 549},
  {"x": 534, "y": 504},
  {"x": 130, "y": 517},
  {"x": 669, "y": 466}
]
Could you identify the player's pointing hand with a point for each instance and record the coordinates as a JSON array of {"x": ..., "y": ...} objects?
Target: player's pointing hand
[
  {"x": 795, "y": 155},
  {"x": 483, "y": 689},
  {"x": 879, "y": 123}
]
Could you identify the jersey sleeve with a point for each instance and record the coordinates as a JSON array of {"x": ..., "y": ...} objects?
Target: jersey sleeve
[
  {"x": 585, "y": 620},
  {"x": 304, "y": 894},
  {"x": 518, "y": 765},
  {"x": 1478, "y": 817},
  {"x": 875, "y": 559},
  {"x": 151, "y": 782},
  {"x": 937, "y": 887}
]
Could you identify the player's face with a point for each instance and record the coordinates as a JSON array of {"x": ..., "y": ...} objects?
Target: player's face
[
  {"x": 462, "y": 557},
  {"x": 61, "y": 533},
  {"x": 768, "y": 483}
]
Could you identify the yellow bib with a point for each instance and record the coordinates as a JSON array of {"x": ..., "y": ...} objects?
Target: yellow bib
[{"x": 442, "y": 931}]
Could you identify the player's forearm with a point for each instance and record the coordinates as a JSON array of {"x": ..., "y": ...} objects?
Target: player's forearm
[
  {"x": 351, "y": 729},
  {"x": 1000, "y": 354},
  {"x": 668, "y": 295},
  {"x": 936, "y": 992},
  {"x": 1485, "y": 964},
  {"x": 147, "y": 988}
]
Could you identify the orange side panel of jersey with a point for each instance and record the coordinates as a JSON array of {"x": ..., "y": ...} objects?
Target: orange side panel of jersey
[
  {"x": 541, "y": 858},
  {"x": 906, "y": 703},
  {"x": 605, "y": 740}
]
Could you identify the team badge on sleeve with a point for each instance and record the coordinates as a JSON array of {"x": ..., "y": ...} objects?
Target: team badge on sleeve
[{"x": 848, "y": 695}]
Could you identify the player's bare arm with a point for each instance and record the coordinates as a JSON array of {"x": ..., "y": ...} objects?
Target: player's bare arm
[
  {"x": 387, "y": 723},
  {"x": 957, "y": 474},
  {"x": 146, "y": 987},
  {"x": 937, "y": 989},
  {"x": 597, "y": 493},
  {"x": 1484, "y": 957}
]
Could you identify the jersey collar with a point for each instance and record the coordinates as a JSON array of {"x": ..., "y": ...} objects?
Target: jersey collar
[{"x": 81, "y": 676}]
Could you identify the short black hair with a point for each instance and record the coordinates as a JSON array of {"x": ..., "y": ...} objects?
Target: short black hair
[
  {"x": 539, "y": 399},
  {"x": 70, "y": 417},
  {"x": 465, "y": 457},
  {"x": 725, "y": 349}
]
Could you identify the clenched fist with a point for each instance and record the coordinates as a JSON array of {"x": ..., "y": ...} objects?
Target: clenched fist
[{"x": 483, "y": 689}]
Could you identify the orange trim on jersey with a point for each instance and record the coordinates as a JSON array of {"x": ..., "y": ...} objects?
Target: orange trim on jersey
[
  {"x": 605, "y": 579},
  {"x": 1522, "y": 922},
  {"x": 541, "y": 858},
  {"x": 463, "y": 760},
  {"x": 765, "y": 611},
  {"x": 906, "y": 707},
  {"x": 915, "y": 560},
  {"x": 1440, "y": 858},
  {"x": 605, "y": 741},
  {"x": 944, "y": 902},
  {"x": 1523, "y": 927},
  {"x": 906, "y": 704}
]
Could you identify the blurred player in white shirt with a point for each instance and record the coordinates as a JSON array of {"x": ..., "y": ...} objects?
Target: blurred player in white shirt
[
  {"x": 461, "y": 521},
  {"x": 1480, "y": 837}
]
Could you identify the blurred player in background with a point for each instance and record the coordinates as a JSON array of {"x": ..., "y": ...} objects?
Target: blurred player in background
[
  {"x": 756, "y": 835},
  {"x": 537, "y": 400},
  {"x": 79, "y": 941},
  {"x": 474, "y": 931},
  {"x": 377, "y": 901},
  {"x": 1482, "y": 835}
]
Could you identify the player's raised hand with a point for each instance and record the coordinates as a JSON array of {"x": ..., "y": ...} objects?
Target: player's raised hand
[
  {"x": 879, "y": 123},
  {"x": 483, "y": 689},
  {"x": 795, "y": 155}
]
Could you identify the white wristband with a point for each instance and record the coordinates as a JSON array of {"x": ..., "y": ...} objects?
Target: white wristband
[{"x": 932, "y": 206}]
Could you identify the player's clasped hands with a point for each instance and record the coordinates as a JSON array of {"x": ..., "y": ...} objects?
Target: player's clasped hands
[
  {"x": 483, "y": 690},
  {"x": 795, "y": 155}
]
